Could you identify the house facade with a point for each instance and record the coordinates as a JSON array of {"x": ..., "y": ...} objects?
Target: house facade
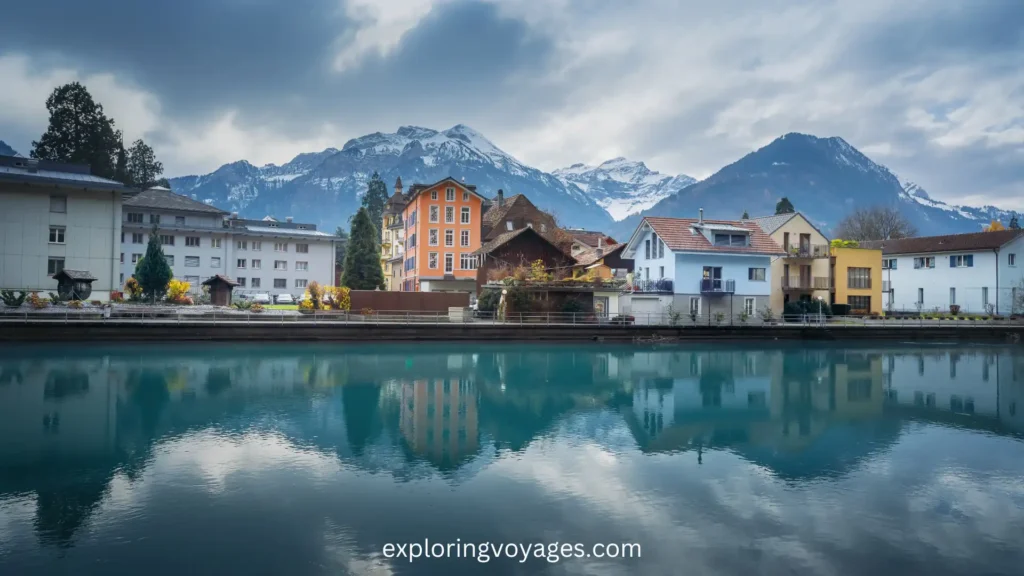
[
  {"x": 803, "y": 272},
  {"x": 442, "y": 229},
  {"x": 56, "y": 216},
  {"x": 857, "y": 278},
  {"x": 979, "y": 272},
  {"x": 392, "y": 242},
  {"x": 521, "y": 248},
  {"x": 200, "y": 241},
  {"x": 698, "y": 266}
]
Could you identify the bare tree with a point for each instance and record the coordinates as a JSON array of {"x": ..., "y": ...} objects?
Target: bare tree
[{"x": 875, "y": 223}]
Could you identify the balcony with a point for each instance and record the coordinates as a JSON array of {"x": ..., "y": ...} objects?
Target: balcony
[
  {"x": 808, "y": 251},
  {"x": 717, "y": 286},
  {"x": 806, "y": 283},
  {"x": 663, "y": 286}
]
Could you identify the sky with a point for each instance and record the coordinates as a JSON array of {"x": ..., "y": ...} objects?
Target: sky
[{"x": 933, "y": 89}]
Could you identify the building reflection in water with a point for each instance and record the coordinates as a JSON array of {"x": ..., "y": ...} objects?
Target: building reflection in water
[{"x": 69, "y": 424}]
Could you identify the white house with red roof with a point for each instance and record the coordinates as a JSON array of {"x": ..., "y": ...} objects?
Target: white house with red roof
[{"x": 698, "y": 266}]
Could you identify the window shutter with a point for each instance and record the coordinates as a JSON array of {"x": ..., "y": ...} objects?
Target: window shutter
[
  {"x": 970, "y": 260},
  {"x": 952, "y": 261}
]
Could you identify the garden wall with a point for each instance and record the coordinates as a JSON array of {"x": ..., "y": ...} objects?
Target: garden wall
[{"x": 408, "y": 301}]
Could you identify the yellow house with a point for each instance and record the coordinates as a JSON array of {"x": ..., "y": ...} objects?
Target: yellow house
[
  {"x": 857, "y": 274},
  {"x": 804, "y": 272},
  {"x": 392, "y": 238}
]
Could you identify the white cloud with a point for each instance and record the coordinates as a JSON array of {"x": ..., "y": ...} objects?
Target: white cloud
[{"x": 381, "y": 24}]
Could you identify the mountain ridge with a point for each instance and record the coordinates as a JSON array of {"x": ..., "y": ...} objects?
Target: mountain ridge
[
  {"x": 6, "y": 150},
  {"x": 622, "y": 187}
]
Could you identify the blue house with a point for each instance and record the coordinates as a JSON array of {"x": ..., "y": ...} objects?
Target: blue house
[{"x": 698, "y": 266}]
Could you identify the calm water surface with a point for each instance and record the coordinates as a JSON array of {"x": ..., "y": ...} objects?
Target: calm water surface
[{"x": 294, "y": 460}]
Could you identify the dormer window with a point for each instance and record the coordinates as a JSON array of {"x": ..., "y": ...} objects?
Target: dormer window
[
  {"x": 508, "y": 224},
  {"x": 738, "y": 240}
]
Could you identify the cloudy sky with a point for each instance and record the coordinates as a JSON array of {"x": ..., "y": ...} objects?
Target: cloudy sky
[{"x": 934, "y": 89}]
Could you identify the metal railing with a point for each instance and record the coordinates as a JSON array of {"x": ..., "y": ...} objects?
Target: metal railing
[
  {"x": 806, "y": 283},
  {"x": 808, "y": 251},
  {"x": 661, "y": 286},
  {"x": 717, "y": 286}
]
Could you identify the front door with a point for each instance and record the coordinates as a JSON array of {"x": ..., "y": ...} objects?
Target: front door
[
  {"x": 601, "y": 306},
  {"x": 805, "y": 276}
]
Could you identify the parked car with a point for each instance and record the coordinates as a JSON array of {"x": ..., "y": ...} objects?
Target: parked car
[
  {"x": 261, "y": 298},
  {"x": 285, "y": 299},
  {"x": 623, "y": 319}
]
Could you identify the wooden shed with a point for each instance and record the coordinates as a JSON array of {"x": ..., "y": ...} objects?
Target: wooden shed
[
  {"x": 220, "y": 290},
  {"x": 74, "y": 284}
]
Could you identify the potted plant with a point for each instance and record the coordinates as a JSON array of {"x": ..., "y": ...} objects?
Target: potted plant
[
  {"x": 954, "y": 309},
  {"x": 719, "y": 318}
]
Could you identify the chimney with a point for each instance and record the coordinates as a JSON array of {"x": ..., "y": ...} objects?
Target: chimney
[
  {"x": 500, "y": 199},
  {"x": 288, "y": 219},
  {"x": 234, "y": 215},
  {"x": 600, "y": 242},
  {"x": 701, "y": 219}
]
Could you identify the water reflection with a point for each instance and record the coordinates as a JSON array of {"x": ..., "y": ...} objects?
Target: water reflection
[{"x": 75, "y": 429}]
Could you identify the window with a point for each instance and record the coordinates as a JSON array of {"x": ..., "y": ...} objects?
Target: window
[
  {"x": 543, "y": 227},
  {"x": 1011, "y": 259},
  {"x": 859, "y": 303},
  {"x": 464, "y": 240},
  {"x": 449, "y": 195},
  {"x": 432, "y": 237},
  {"x": 467, "y": 262},
  {"x": 256, "y": 246},
  {"x": 449, "y": 214},
  {"x": 192, "y": 241},
  {"x": 54, "y": 265},
  {"x": 434, "y": 214},
  {"x": 858, "y": 278},
  {"x": 193, "y": 280},
  {"x": 984, "y": 296},
  {"x": 121, "y": 281},
  {"x": 154, "y": 218},
  {"x": 647, "y": 249},
  {"x": 179, "y": 220},
  {"x": 300, "y": 282},
  {"x": 465, "y": 196},
  {"x": 730, "y": 240},
  {"x": 167, "y": 240},
  {"x": 137, "y": 238},
  {"x": 508, "y": 225},
  {"x": 301, "y": 266},
  {"x": 661, "y": 271},
  {"x": 136, "y": 258},
  {"x": 215, "y": 243},
  {"x": 465, "y": 215},
  {"x": 170, "y": 259},
  {"x": 924, "y": 262},
  {"x": 961, "y": 261},
  {"x": 412, "y": 219},
  {"x": 122, "y": 237},
  {"x": 695, "y": 305},
  {"x": 920, "y": 296},
  {"x": 449, "y": 238},
  {"x": 122, "y": 257},
  {"x": 241, "y": 245},
  {"x": 756, "y": 274},
  {"x": 432, "y": 260},
  {"x": 952, "y": 296},
  {"x": 257, "y": 264},
  {"x": 240, "y": 263},
  {"x": 255, "y": 282},
  {"x": 135, "y": 217},
  {"x": 410, "y": 263},
  {"x": 215, "y": 262},
  {"x": 56, "y": 234},
  {"x": 411, "y": 241},
  {"x": 661, "y": 248},
  {"x": 280, "y": 282},
  {"x": 449, "y": 263},
  {"x": 59, "y": 204},
  {"x": 748, "y": 306},
  {"x": 280, "y": 264},
  {"x": 433, "y": 194},
  {"x": 241, "y": 281},
  {"x": 191, "y": 261},
  {"x": 280, "y": 247},
  {"x": 889, "y": 264},
  {"x": 302, "y": 248}
]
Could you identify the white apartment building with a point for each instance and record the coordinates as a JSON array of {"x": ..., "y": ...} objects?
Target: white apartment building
[
  {"x": 199, "y": 240},
  {"x": 57, "y": 216},
  {"x": 978, "y": 272}
]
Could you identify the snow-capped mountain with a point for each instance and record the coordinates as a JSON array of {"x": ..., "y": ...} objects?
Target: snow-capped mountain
[
  {"x": 622, "y": 187},
  {"x": 825, "y": 178},
  {"x": 325, "y": 187}
]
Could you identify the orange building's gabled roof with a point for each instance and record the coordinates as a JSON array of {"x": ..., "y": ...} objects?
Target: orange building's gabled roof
[{"x": 416, "y": 189}]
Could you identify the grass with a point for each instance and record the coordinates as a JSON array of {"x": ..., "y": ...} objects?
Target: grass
[{"x": 281, "y": 306}]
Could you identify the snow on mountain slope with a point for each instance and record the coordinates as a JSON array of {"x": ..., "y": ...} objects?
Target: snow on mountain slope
[
  {"x": 913, "y": 193},
  {"x": 622, "y": 187}
]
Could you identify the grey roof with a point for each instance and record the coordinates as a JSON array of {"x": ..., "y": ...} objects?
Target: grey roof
[
  {"x": 163, "y": 199},
  {"x": 287, "y": 231},
  {"x": 772, "y": 223},
  {"x": 75, "y": 274},
  {"x": 949, "y": 243},
  {"x": 219, "y": 278},
  {"x": 30, "y": 171}
]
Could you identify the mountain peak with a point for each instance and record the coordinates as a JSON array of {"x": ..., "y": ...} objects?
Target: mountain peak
[
  {"x": 416, "y": 132},
  {"x": 6, "y": 150}
]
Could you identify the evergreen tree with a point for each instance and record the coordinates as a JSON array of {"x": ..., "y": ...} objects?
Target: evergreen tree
[
  {"x": 1014, "y": 225},
  {"x": 784, "y": 206},
  {"x": 340, "y": 246},
  {"x": 362, "y": 258},
  {"x": 121, "y": 170},
  {"x": 745, "y": 216},
  {"x": 152, "y": 272},
  {"x": 163, "y": 182},
  {"x": 143, "y": 167},
  {"x": 374, "y": 199},
  {"x": 79, "y": 132}
]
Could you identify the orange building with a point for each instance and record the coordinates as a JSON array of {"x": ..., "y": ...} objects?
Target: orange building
[
  {"x": 439, "y": 420},
  {"x": 442, "y": 230}
]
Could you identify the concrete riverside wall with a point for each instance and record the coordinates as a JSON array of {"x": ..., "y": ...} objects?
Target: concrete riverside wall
[{"x": 113, "y": 331}]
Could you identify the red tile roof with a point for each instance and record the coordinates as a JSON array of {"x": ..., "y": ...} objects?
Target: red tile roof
[{"x": 678, "y": 235}]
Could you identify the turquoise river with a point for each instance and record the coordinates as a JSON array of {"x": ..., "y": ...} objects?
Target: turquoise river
[{"x": 446, "y": 459}]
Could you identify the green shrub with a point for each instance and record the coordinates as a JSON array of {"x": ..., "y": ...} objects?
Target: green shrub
[
  {"x": 11, "y": 300},
  {"x": 243, "y": 304},
  {"x": 841, "y": 309},
  {"x": 488, "y": 301},
  {"x": 802, "y": 307},
  {"x": 572, "y": 306}
]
